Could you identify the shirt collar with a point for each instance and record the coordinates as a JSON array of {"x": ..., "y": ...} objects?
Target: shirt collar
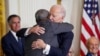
[{"x": 14, "y": 34}]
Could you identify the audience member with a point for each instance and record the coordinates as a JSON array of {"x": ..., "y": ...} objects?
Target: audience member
[
  {"x": 11, "y": 44},
  {"x": 92, "y": 46}
]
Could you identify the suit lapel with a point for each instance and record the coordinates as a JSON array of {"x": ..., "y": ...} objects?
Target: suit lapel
[{"x": 14, "y": 41}]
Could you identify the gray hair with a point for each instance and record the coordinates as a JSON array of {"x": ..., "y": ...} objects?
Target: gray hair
[{"x": 63, "y": 12}]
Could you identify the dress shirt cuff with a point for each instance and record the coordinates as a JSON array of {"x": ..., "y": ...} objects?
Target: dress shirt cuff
[
  {"x": 46, "y": 50},
  {"x": 26, "y": 32}
]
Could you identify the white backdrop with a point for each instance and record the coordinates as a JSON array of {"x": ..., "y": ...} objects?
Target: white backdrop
[{"x": 27, "y": 8}]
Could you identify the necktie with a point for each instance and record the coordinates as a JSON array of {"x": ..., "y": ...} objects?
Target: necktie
[
  {"x": 20, "y": 42},
  {"x": 21, "y": 45}
]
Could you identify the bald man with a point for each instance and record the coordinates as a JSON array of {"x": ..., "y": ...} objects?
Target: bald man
[{"x": 92, "y": 46}]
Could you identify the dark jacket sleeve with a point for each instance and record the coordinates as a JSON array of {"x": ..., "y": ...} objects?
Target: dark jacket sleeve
[
  {"x": 61, "y": 27},
  {"x": 21, "y": 32},
  {"x": 65, "y": 41},
  {"x": 7, "y": 49}
]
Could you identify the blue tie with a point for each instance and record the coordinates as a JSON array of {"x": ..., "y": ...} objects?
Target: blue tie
[
  {"x": 21, "y": 45},
  {"x": 20, "y": 42}
]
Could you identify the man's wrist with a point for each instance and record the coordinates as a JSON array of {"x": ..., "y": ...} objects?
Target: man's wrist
[
  {"x": 27, "y": 32},
  {"x": 46, "y": 49},
  {"x": 44, "y": 46}
]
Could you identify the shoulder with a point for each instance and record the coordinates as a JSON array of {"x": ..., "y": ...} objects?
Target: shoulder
[
  {"x": 68, "y": 25},
  {"x": 66, "y": 35},
  {"x": 69, "y": 33},
  {"x": 6, "y": 37},
  {"x": 62, "y": 27}
]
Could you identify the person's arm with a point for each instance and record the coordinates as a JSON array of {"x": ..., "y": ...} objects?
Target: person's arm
[
  {"x": 21, "y": 32},
  {"x": 26, "y": 31},
  {"x": 37, "y": 30},
  {"x": 65, "y": 41},
  {"x": 61, "y": 27},
  {"x": 7, "y": 49}
]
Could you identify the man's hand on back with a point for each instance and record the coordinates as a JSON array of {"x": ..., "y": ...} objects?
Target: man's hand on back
[{"x": 37, "y": 29}]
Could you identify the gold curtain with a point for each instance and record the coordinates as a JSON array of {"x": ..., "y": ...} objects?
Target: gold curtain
[{"x": 2, "y": 22}]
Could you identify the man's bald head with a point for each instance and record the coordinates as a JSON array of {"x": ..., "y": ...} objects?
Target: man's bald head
[
  {"x": 92, "y": 39},
  {"x": 93, "y": 45}
]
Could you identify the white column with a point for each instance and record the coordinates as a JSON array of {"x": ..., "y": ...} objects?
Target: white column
[{"x": 76, "y": 16}]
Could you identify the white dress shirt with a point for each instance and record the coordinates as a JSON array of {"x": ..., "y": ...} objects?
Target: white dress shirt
[{"x": 14, "y": 34}]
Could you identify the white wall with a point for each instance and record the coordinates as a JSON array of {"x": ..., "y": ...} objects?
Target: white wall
[
  {"x": 12, "y": 7},
  {"x": 68, "y": 7},
  {"x": 27, "y": 8}
]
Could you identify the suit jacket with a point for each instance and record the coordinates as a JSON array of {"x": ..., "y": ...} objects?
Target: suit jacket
[
  {"x": 65, "y": 41},
  {"x": 10, "y": 45},
  {"x": 90, "y": 54},
  {"x": 50, "y": 37}
]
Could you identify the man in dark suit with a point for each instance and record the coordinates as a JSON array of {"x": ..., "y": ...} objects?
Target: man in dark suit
[
  {"x": 11, "y": 44},
  {"x": 64, "y": 39},
  {"x": 93, "y": 46},
  {"x": 50, "y": 36}
]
